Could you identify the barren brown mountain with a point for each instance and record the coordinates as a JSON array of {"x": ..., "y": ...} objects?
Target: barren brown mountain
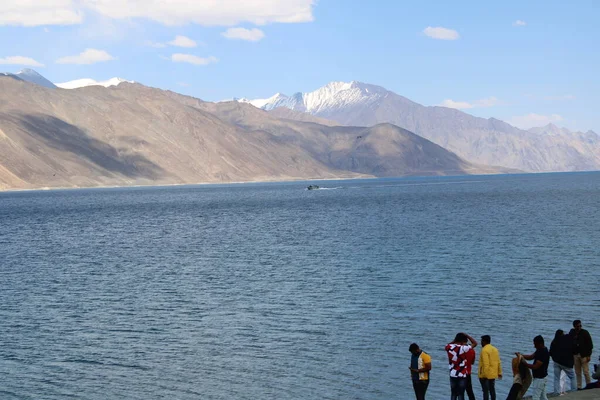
[
  {"x": 135, "y": 135},
  {"x": 485, "y": 141}
]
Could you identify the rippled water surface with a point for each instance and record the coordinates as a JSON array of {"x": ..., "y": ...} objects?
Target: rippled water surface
[{"x": 270, "y": 291}]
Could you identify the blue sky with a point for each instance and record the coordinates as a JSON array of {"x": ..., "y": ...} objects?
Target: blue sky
[{"x": 528, "y": 63}]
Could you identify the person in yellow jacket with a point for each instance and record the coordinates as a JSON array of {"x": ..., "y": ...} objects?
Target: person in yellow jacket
[{"x": 490, "y": 368}]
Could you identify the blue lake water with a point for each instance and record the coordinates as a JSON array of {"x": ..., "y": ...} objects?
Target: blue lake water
[{"x": 270, "y": 291}]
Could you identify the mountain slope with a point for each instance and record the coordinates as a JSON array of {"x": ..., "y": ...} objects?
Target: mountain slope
[
  {"x": 553, "y": 130},
  {"x": 485, "y": 141},
  {"x": 29, "y": 75},
  {"x": 382, "y": 150},
  {"x": 128, "y": 135},
  {"x": 135, "y": 135}
]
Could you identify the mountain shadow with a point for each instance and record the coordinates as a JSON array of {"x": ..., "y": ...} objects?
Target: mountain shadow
[{"x": 62, "y": 136}]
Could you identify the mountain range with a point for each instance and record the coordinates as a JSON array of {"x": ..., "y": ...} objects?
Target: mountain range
[
  {"x": 484, "y": 141},
  {"x": 130, "y": 134}
]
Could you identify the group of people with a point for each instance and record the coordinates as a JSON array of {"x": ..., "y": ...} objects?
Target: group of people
[{"x": 571, "y": 354}]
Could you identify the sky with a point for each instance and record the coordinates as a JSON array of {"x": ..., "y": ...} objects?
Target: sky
[{"x": 526, "y": 62}]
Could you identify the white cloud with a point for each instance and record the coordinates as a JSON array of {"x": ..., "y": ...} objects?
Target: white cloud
[
  {"x": 39, "y": 12},
  {"x": 183, "y": 41},
  {"x": 20, "y": 60},
  {"x": 461, "y": 105},
  {"x": 89, "y": 56},
  {"x": 191, "y": 59},
  {"x": 211, "y": 13},
  {"x": 441, "y": 33},
  {"x": 534, "y": 120},
  {"x": 519, "y": 23},
  {"x": 168, "y": 12},
  {"x": 252, "y": 35}
]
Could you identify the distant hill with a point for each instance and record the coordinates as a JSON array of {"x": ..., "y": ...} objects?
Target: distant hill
[
  {"x": 29, "y": 75},
  {"x": 131, "y": 134},
  {"x": 485, "y": 141}
]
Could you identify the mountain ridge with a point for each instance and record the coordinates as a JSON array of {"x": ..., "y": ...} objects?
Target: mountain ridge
[
  {"x": 29, "y": 75},
  {"x": 85, "y": 82},
  {"x": 484, "y": 141},
  {"x": 137, "y": 135}
]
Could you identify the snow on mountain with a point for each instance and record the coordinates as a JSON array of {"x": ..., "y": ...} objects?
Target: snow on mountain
[
  {"x": 271, "y": 102},
  {"x": 334, "y": 95},
  {"x": 484, "y": 141},
  {"x": 79, "y": 83},
  {"x": 32, "y": 76}
]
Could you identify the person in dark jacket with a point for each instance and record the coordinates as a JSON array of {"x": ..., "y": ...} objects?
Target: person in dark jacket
[
  {"x": 561, "y": 351},
  {"x": 582, "y": 352}
]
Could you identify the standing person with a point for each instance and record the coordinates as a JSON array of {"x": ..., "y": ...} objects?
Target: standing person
[
  {"x": 561, "y": 351},
  {"x": 582, "y": 352},
  {"x": 541, "y": 359},
  {"x": 460, "y": 358},
  {"x": 521, "y": 378},
  {"x": 420, "y": 365},
  {"x": 490, "y": 368},
  {"x": 470, "y": 363}
]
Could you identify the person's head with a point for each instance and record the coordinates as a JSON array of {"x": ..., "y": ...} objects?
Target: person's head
[
  {"x": 414, "y": 348},
  {"x": 538, "y": 342},
  {"x": 486, "y": 339},
  {"x": 558, "y": 334},
  {"x": 577, "y": 325},
  {"x": 460, "y": 338}
]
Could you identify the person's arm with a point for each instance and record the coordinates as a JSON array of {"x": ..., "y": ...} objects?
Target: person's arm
[
  {"x": 426, "y": 363},
  {"x": 426, "y": 367},
  {"x": 499, "y": 365},
  {"x": 526, "y": 356},
  {"x": 472, "y": 341},
  {"x": 536, "y": 365},
  {"x": 484, "y": 362}
]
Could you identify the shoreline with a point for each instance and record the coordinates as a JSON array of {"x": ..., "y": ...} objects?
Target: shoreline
[{"x": 166, "y": 185}]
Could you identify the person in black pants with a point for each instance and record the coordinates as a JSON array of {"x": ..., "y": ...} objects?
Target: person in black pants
[
  {"x": 420, "y": 365},
  {"x": 469, "y": 389}
]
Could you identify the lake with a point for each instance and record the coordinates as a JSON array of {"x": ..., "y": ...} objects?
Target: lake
[{"x": 271, "y": 291}]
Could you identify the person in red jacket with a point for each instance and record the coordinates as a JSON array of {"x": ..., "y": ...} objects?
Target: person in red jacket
[{"x": 460, "y": 360}]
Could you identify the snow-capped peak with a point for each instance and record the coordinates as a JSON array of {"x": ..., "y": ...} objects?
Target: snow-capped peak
[
  {"x": 332, "y": 95},
  {"x": 79, "y": 83},
  {"x": 278, "y": 98}
]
